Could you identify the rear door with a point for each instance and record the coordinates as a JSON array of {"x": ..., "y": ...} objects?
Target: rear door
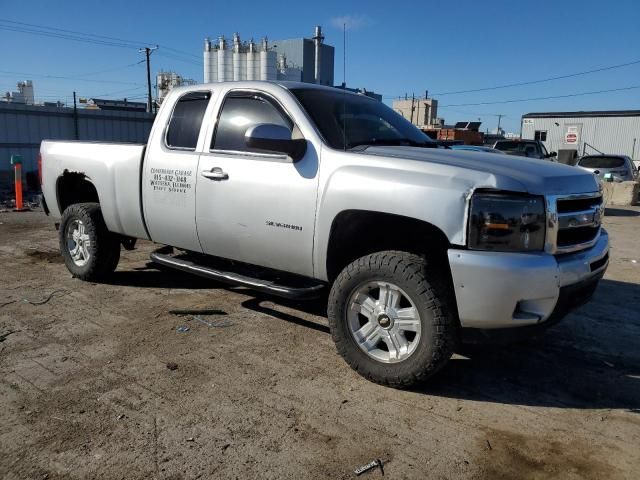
[
  {"x": 257, "y": 207},
  {"x": 170, "y": 171}
]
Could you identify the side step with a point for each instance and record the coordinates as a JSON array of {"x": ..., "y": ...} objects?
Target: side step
[{"x": 163, "y": 257}]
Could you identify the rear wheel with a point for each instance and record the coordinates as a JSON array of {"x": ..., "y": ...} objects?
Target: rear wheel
[
  {"x": 90, "y": 251},
  {"x": 391, "y": 318}
]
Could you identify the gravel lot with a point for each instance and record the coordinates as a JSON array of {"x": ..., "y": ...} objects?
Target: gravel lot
[{"x": 98, "y": 383}]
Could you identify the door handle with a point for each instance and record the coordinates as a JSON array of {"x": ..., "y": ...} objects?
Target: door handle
[{"x": 215, "y": 173}]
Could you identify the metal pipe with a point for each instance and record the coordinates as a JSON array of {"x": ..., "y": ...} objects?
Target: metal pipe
[{"x": 318, "y": 38}]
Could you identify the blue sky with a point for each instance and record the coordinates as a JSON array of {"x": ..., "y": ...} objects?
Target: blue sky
[{"x": 393, "y": 48}]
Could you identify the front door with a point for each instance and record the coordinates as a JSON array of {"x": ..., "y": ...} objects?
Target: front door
[
  {"x": 170, "y": 173},
  {"x": 253, "y": 206}
]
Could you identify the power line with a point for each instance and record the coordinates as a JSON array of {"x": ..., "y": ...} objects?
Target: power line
[
  {"x": 179, "y": 58},
  {"x": 181, "y": 52},
  {"x": 71, "y": 34},
  {"x": 61, "y": 77},
  {"x": 474, "y": 114},
  {"x": 531, "y": 82},
  {"x": 64, "y": 36},
  {"x": 117, "y": 92},
  {"x": 84, "y": 37},
  {"x": 109, "y": 70},
  {"x": 542, "y": 98}
]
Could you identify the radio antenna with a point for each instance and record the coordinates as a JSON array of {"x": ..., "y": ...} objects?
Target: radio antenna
[
  {"x": 344, "y": 85},
  {"x": 344, "y": 54}
]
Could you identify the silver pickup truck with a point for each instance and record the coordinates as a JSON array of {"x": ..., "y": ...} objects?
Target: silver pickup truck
[{"x": 295, "y": 189}]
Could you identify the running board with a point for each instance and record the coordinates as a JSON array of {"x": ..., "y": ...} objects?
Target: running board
[{"x": 163, "y": 257}]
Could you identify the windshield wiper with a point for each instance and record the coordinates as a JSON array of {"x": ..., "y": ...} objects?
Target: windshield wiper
[{"x": 392, "y": 142}]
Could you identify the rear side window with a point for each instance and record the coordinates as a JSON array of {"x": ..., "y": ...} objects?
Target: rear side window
[
  {"x": 239, "y": 113},
  {"x": 602, "y": 162},
  {"x": 186, "y": 120}
]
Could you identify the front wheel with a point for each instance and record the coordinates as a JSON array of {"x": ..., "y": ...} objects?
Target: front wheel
[
  {"x": 90, "y": 251},
  {"x": 391, "y": 318}
]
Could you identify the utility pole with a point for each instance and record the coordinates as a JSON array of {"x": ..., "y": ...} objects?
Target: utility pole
[
  {"x": 75, "y": 116},
  {"x": 147, "y": 51},
  {"x": 427, "y": 108},
  {"x": 500, "y": 115},
  {"x": 413, "y": 99}
]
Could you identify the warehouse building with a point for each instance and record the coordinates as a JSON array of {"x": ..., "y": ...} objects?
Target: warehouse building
[
  {"x": 574, "y": 134},
  {"x": 23, "y": 127}
]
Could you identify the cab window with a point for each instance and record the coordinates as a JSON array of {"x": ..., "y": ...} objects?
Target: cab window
[
  {"x": 186, "y": 120},
  {"x": 239, "y": 113}
]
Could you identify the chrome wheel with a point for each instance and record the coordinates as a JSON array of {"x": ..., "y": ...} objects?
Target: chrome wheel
[
  {"x": 78, "y": 242},
  {"x": 384, "y": 321}
]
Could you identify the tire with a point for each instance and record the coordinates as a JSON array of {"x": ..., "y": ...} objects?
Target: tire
[
  {"x": 90, "y": 251},
  {"x": 411, "y": 356}
]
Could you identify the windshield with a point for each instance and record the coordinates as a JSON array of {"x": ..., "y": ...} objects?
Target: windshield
[
  {"x": 347, "y": 121},
  {"x": 601, "y": 162}
]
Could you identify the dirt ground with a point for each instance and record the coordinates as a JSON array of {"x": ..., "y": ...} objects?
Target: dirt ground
[{"x": 86, "y": 392}]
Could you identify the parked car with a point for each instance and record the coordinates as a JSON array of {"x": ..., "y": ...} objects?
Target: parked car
[
  {"x": 525, "y": 148},
  {"x": 293, "y": 189},
  {"x": 476, "y": 148},
  {"x": 618, "y": 168}
]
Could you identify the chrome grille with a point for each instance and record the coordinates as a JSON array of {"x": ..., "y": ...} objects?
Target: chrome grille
[{"x": 573, "y": 222}]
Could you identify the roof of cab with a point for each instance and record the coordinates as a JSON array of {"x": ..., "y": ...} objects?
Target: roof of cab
[{"x": 288, "y": 85}]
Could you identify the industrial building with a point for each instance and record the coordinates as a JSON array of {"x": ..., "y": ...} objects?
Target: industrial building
[
  {"x": 300, "y": 59},
  {"x": 24, "y": 95},
  {"x": 422, "y": 112},
  {"x": 165, "y": 81},
  {"x": 574, "y": 134}
]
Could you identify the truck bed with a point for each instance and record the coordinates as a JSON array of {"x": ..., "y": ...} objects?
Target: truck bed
[{"x": 113, "y": 168}]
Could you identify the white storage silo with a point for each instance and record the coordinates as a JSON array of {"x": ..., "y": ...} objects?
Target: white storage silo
[
  {"x": 225, "y": 72},
  {"x": 239, "y": 62},
  {"x": 207, "y": 60},
  {"x": 213, "y": 65},
  {"x": 210, "y": 63},
  {"x": 268, "y": 61},
  {"x": 253, "y": 62}
]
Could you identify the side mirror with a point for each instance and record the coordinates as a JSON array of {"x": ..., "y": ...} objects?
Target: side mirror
[
  {"x": 552, "y": 154},
  {"x": 276, "y": 139}
]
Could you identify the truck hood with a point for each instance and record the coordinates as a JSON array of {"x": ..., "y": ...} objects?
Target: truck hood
[{"x": 535, "y": 176}]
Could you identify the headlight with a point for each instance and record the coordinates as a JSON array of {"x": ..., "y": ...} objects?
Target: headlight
[{"x": 506, "y": 222}]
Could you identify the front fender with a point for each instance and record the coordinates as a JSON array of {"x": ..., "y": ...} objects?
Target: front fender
[{"x": 437, "y": 198}]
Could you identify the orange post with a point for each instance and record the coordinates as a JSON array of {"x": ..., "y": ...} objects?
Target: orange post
[
  {"x": 19, "y": 204},
  {"x": 16, "y": 161}
]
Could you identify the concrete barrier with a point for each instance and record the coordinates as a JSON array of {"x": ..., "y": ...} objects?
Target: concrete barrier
[{"x": 622, "y": 194}]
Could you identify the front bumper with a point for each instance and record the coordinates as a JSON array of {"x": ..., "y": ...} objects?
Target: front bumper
[{"x": 503, "y": 290}]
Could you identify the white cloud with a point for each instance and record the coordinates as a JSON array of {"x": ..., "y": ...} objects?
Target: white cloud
[{"x": 352, "y": 22}]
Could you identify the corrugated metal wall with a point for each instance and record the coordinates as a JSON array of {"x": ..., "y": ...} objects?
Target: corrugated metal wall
[
  {"x": 23, "y": 127},
  {"x": 607, "y": 134}
]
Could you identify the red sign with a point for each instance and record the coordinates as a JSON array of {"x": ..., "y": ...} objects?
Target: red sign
[{"x": 571, "y": 138}]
